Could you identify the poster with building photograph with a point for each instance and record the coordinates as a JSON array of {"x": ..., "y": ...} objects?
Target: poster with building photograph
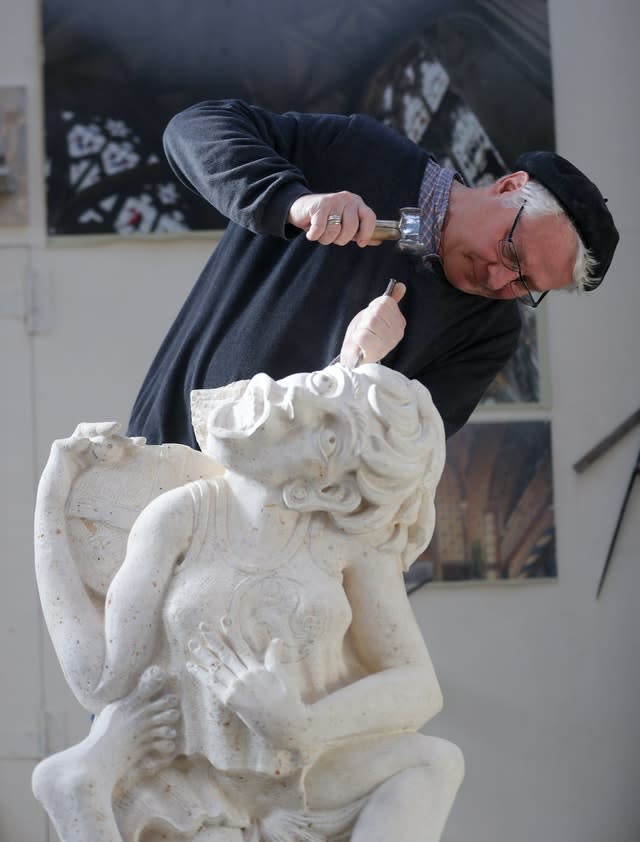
[
  {"x": 494, "y": 507},
  {"x": 13, "y": 156}
]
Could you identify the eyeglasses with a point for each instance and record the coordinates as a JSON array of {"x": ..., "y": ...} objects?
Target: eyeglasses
[{"x": 509, "y": 259}]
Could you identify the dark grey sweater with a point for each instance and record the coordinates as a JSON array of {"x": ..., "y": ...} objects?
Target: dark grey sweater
[{"x": 270, "y": 300}]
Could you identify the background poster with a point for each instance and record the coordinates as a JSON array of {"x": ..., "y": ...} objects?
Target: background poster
[
  {"x": 494, "y": 507},
  {"x": 463, "y": 78},
  {"x": 469, "y": 80},
  {"x": 13, "y": 155}
]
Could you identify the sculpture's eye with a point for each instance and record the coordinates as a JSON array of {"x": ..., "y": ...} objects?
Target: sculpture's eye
[
  {"x": 322, "y": 384},
  {"x": 328, "y": 442}
]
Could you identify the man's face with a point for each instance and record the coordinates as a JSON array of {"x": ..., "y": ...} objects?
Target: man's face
[{"x": 545, "y": 245}]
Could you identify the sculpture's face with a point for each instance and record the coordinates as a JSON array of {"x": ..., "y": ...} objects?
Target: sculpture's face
[{"x": 277, "y": 430}]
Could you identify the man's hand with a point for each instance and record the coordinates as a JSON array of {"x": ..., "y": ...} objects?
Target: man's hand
[
  {"x": 374, "y": 331},
  {"x": 334, "y": 218}
]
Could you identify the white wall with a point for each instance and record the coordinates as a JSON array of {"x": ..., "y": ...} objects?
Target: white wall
[{"x": 542, "y": 681}]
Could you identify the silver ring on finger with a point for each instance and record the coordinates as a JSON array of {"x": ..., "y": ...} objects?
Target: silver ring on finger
[{"x": 334, "y": 219}]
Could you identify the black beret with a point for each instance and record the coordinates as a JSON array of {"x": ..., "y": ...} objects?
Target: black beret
[{"x": 582, "y": 201}]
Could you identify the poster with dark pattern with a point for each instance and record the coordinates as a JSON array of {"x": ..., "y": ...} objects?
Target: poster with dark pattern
[
  {"x": 462, "y": 78},
  {"x": 469, "y": 80}
]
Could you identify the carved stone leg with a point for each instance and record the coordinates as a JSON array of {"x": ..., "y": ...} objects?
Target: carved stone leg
[
  {"x": 76, "y": 786},
  {"x": 411, "y": 780},
  {"x": 412, "y": 805}
]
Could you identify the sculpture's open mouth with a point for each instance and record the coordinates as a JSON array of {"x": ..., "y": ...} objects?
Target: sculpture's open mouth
[{"x": 239, "y": 415}]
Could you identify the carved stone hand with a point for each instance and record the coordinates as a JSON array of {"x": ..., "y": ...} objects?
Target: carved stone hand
[
  {"x": 259, "y": 693},
  {"x": 90, "y": 444}
]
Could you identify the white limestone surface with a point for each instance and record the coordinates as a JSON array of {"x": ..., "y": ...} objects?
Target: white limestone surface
[{"x": 237, "y": 621}]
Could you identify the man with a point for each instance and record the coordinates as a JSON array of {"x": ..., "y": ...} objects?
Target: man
[{"x": 294, "y": 280}]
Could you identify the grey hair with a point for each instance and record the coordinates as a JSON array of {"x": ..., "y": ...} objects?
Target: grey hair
[{"x": 541, "y": 202}]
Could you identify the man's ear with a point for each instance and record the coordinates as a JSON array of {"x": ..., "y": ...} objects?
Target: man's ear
[{"x": 510, "y": 181}]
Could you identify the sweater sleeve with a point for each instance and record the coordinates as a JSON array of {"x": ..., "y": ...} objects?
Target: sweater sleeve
[
  {"x": 248, "y": 162},
  {"x": 458, "y": 382}
]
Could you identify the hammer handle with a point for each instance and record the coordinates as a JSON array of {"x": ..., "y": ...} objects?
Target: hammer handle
[{"x": 386, "y": 229}]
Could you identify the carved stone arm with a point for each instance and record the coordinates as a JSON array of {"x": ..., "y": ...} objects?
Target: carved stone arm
[
  {"x": 73, "y": 621},
  {"x": 401, "y": 691},
  {"x": 158, "y": 541}
]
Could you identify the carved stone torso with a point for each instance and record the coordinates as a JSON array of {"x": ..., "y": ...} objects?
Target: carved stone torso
[{"x": 294, "y": 594}]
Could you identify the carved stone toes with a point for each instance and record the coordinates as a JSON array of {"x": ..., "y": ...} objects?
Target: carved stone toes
[{"x": 152, "y": 680}]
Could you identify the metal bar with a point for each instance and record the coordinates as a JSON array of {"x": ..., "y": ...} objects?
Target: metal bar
[
  {"x": 636, "y": 471},
  {"x": 622, "y": 429}
]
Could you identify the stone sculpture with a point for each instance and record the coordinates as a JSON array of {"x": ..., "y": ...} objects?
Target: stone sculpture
[{"x": 237, "y": 622}]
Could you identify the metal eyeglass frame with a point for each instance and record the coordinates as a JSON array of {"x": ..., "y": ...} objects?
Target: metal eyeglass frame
[{"x": 509, "y": 259}]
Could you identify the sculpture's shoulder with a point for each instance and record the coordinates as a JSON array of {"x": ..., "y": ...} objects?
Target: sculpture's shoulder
[{"x": 106, "y": 500}]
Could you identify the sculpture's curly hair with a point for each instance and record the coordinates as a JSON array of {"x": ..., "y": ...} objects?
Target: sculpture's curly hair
[{"x": 400, "y": 456}]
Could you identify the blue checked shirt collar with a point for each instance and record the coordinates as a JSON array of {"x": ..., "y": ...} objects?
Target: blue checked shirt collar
[{"x": 434, "y": 201}]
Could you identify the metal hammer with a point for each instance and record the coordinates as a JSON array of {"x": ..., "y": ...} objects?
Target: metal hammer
[{"x": 405, "y": 230}]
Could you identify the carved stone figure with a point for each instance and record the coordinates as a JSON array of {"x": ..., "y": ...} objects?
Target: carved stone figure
[{"x": 237, "y": 621}]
